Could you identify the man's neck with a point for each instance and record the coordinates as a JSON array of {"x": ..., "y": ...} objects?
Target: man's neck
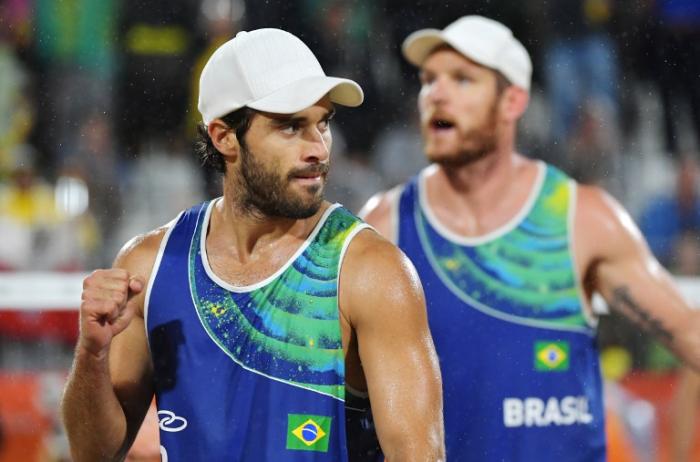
[
  {"x": 481, "y": 178},
  {"x": 247, "y": 234},
  {"x": 477, "y": 198}
]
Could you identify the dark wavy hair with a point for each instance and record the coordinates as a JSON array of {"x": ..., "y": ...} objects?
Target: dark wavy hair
[{"x": 239, "y": 120}]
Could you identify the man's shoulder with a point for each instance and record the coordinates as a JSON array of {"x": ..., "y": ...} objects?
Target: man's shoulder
[
  {"x": 142, "y": 246},
  {"x": 594, "y": 203},
  {"x": 139, "y": 253},
  {"x": 602, "y": 224},
  {"x": 379, "y": 210},
  {"x": 371, "y": 266}
]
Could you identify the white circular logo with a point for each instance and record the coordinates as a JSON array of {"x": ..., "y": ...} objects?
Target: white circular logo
[{"x": 169, "y": 422}]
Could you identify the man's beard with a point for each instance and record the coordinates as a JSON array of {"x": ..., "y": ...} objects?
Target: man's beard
[
  {"x": 265, "y": 193},
  {"x": 482, "y": 142}
]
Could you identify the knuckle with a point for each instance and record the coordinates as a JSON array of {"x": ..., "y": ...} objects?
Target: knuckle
[
  {"x": 88, "y": 281},
  {"x": 120, "y": 273},
  {"x": 88, "y": 306},
  {"x": 118, "y": 296}
]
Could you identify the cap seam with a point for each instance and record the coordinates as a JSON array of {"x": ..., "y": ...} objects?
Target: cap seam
[{"x": 242, "y": 72}]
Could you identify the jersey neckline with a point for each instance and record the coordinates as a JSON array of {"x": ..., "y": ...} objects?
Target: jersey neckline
[
  {"x": 204, "y": 258},
  {"x": 502, "y": 230}
]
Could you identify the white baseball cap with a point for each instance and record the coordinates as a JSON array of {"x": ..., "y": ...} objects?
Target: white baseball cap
[
  {"x": 268, "y": 70},
  {"x": 480, "y": 39}
]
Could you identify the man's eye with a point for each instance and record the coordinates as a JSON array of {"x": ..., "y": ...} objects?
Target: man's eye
[
  {"x": 427, "y": 79},
  {"x": 462, "y": 79},
  {"x": 290, "y": 129}
]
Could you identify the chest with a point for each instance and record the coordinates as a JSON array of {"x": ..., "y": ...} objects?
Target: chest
[{"x": 250, "y": 270}]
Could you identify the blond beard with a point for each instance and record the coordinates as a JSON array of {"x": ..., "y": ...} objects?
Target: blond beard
[{"x": 482, "y": 141}]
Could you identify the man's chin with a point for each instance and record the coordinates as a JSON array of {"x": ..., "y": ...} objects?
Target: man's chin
[
  {"x": 306, "y": 206},
  {"x": 438, "y": 156},
  {"x": 456, "y": 159}
]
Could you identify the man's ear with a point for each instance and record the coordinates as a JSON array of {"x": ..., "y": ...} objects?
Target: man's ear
[
  {"x": 514, "y": 102},
  {"x": 224, "y": 139}
]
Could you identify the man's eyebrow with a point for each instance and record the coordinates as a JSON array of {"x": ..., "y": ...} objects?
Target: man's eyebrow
[
  {"x": 288, "y": 119},
  {"x": 285, "y": 119}
]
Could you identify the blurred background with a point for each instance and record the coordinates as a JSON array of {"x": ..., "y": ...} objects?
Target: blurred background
[{"x": 98, "y": 116}]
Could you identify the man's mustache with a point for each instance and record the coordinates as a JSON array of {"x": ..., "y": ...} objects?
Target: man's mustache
[{"x": 311, "y": 170}]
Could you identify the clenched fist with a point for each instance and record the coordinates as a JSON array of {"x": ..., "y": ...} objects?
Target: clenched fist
[{"x": 107, "y": 307}]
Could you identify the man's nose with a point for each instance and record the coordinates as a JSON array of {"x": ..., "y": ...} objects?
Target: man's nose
[
  {"x": 319, "y": 145},
  {"x": 435, "y": 93}
]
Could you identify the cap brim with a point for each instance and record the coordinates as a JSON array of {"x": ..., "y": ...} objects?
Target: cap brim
[
  {"x": 419, "y": 44},
  {"x": 305, "y": 92}
]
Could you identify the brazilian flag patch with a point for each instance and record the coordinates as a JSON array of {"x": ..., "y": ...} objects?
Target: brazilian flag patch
[
  {"x": 551, "y": 356},
  {"x": 308, "y": 432}
]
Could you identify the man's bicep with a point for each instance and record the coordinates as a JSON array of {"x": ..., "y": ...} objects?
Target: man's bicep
[{"x": 398, "y": 356}]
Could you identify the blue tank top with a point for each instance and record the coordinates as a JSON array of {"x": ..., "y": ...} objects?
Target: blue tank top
[
  {"x": 518, "y": 356},
  {"x": 253, "y": 373}
]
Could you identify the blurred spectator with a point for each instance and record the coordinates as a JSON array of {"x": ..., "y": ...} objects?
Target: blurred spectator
[
  {"x": 676, "y": 64},
  {"x": 26, "y": 207},
  {"x": 94, "y": 159},
  {"x": 74, "y": 48},
  {"x": 667, "y": 218},
  {"x": 398, "y": 152},
  {"x": 157, "y": 43},
  {"x": 580, "y": 63},
  {"x": 15, "y": 110},
  {"x": 16, "y": 21},
  {"x": 581, "y": 75},
  {"x": 594, "y": 147},
  {"x": 343, "y": 37},
  {"x": 163, "y": 179},
  {"x": 220, "y": 20},
  {"x": 41, "y": 227}
]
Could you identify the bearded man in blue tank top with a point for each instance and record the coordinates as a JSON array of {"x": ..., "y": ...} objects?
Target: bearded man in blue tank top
[
  {"x": 257, "y": 317},
  {"x": 510, "y": 251}
]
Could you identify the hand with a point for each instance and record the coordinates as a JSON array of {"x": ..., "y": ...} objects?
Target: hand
[{"x": 107, "y": 307}]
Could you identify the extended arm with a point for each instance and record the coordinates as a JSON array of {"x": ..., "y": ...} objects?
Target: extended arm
[
  {"x": 381, "y": 294},
  {"x": 633, "y": 283},
  {"x": 109, "y": 387},
  {"x": 684, "y": 415}
]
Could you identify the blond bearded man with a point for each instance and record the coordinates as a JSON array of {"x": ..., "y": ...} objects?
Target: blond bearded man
[{"x": 510, "y": 251}]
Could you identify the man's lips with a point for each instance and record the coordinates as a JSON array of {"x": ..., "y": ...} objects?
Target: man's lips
[
  {"x": 310, "y": 174},
  {"x": 441, "y": 124}
]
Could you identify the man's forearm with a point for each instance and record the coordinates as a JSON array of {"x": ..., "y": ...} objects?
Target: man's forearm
[
  {"x": 94, "y": 419},
  {"x": 428, "y": 448},
  {"x": 688, "y": 344}
]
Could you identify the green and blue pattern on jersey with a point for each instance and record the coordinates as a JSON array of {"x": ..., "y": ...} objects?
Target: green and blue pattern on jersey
[
  {"x": 526, "y": 275},
  {"x": 288, "y": 329}
]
